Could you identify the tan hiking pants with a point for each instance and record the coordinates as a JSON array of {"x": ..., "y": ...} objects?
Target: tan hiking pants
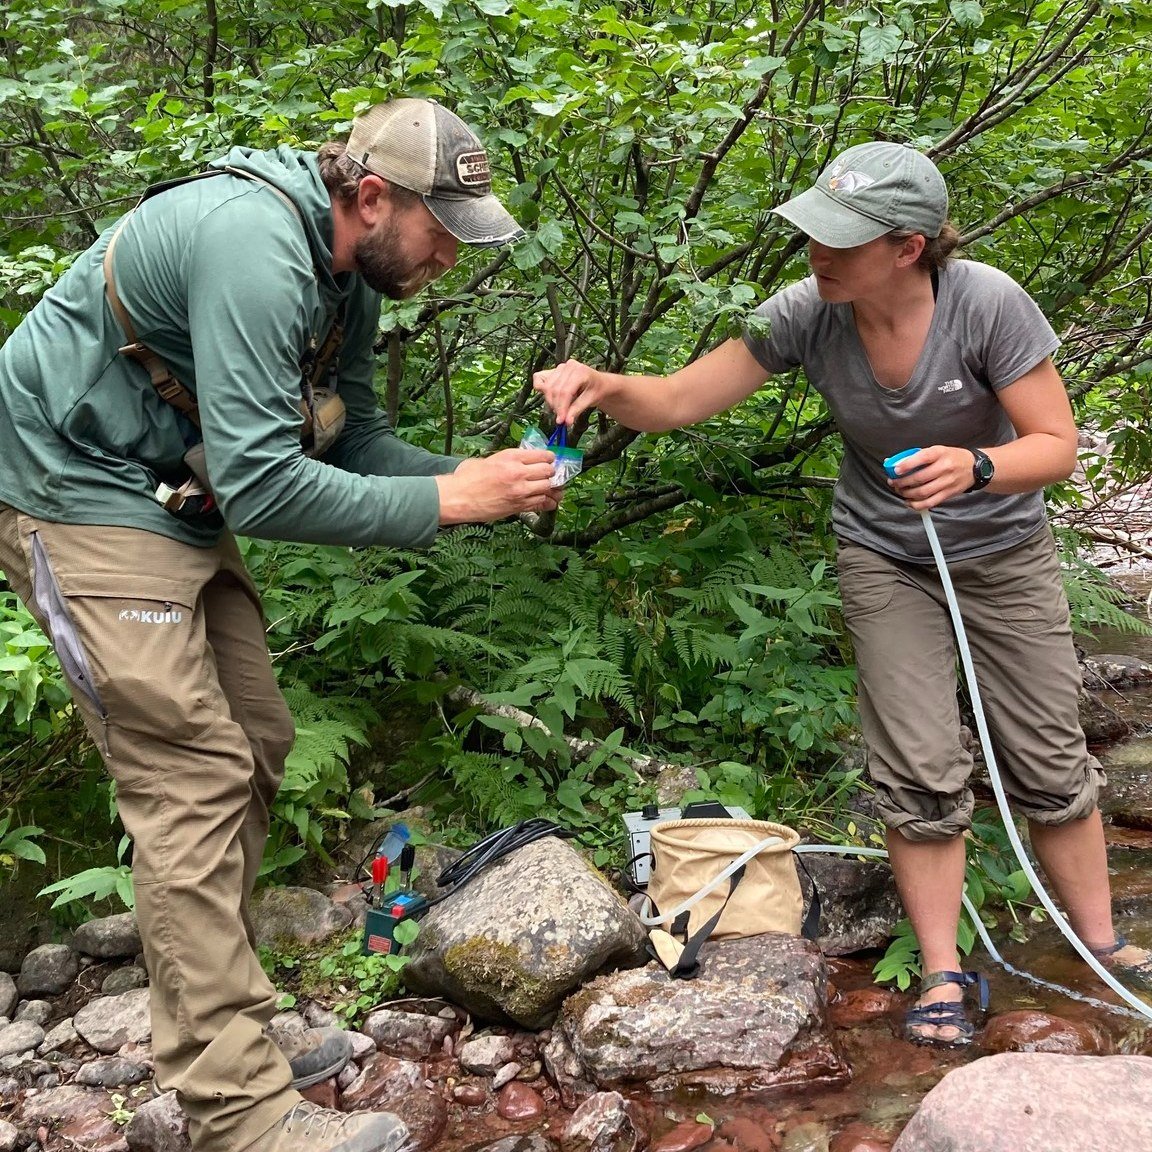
[
  {"x": 164, "y": 647},
  {"x": 1015, "y": 617}
]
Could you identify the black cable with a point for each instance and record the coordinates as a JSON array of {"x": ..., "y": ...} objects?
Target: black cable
[{"x": 495, "y": 846}]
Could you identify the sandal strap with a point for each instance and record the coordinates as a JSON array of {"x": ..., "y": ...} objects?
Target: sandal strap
[
  {"x": 1121, "y": 942},
  {"x": 964, "y": 979},
  {"x": 946, "y": 1013}
]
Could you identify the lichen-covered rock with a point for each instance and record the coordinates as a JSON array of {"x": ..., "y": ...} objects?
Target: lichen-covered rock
[
  {"x": 520, "y": 936},
  {"x": 284, "y": 917}
]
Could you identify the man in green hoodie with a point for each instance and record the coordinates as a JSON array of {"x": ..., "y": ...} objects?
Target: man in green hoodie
[{"x": 204, "y": 369}]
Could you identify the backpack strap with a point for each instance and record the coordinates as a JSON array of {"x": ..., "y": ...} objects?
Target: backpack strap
[{"x": 164, "y": 380}]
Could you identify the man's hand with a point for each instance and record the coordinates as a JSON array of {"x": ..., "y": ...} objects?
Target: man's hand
[{"x": 489, "y": 488}]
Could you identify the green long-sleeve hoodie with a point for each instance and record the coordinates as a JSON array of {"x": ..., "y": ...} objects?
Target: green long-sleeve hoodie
[{"x": 224, "y": 281}]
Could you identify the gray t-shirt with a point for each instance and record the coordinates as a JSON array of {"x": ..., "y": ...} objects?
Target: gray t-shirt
[{"x": 986, "y": 333}]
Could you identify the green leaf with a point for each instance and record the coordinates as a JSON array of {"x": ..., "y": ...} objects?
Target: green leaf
[{"x": 967, "y": 13}]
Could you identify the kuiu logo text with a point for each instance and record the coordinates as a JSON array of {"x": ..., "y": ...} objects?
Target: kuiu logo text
[{"x": 150, "y": 616}]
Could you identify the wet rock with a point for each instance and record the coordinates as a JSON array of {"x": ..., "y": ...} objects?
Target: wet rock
[
  {"x": 860, "y": 1137},
  {"x": 287, "y": 917},
  {"x": 25, "y": 1036},
  {"x": 124, "y": 980},
  {"x": 528, "y": 1143},
  {"x": 605, "y": 1122},
  {"x": 859, "y": 1005},
  {"x": 485, "y": 1054},
  {"x": 382, "y": 1079},
  {"x": 107, "y": 1023},
  {"x": 1100, "y": 721},
  {"x": 745, "y": 1135},
  {"x": 48, "y": 970},
  {"x": 688, "y": 1134},
  {"x": 517, "y": 1101},
  {"x": 471, "y": 1095},
  {"x": 859, "y": 906},
  {"x": 1037, "y": 1101},
  {"x": 753, "y": 1019},
  {"x": 109, "y": 937},
  {"x": 526, "y": 932},
  {"x": 9, "y": 995},
  {"x": 811, "y": 1136},
  {"x": 410, "y": 1034},
  {"x": 1111, "y": 670},
  {"x": 426, "y": 1115},
  {"x": 112, "y": 1072},
  {"x": 158, "y": 1126},
  {"x": 1029, "y": 1031}
]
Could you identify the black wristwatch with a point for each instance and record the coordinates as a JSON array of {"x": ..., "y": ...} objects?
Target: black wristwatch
[{"x": 982, "y": 470}]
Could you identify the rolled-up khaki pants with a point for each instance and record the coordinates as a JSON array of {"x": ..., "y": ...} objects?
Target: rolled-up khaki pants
[
  {"x": 1015, "y": 616},
  {"x": 164, "y": 647}
]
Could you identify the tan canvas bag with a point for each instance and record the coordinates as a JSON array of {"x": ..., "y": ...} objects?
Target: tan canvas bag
[{"x": 719, "y": 879}]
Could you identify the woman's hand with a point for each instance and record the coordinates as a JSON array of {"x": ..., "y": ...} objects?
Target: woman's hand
[
  {"x": 932, "y": 476},
  {"x": 570, "y": 389}
]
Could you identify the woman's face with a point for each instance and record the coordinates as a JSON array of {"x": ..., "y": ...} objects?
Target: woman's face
[{"x": 846, "y": 274}]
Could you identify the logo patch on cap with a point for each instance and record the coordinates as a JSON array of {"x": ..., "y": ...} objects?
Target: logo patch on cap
[
  {"x": 849, "y": 182},
  {"x": 472, "y": 169}
]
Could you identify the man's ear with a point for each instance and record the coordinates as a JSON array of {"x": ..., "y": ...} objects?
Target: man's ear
[{"x": 372, "y": 199}]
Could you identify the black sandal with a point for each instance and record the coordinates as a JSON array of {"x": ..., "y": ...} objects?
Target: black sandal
[
  {"x": 947, "y": 1013},
  {"x": 1139, "y": 975}
]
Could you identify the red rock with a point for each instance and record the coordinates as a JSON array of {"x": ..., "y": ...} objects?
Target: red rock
[
  {"x": 1030, "y": 1031},
  {"x": 517, "y": 1101},
  {"x": 382, "y": 1080},
  {"x": 686, "y": 1135},
  {"x": 860, "y": 1137},
  {"x": 326, "y": 1094},
  {"x": 470, "y": 1095},
  {"x": 860, "y": 1005},
  {"x": 750, "y": 1136},
  {"x": 426, "y": 1115}
]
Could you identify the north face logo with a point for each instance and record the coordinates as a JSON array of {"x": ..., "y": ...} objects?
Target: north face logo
[
  {"x": 147, "y": 616},
  {"x": 951, "y": 386}
]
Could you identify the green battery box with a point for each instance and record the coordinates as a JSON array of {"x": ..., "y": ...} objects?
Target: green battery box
[{"x": 380, "y": 925}]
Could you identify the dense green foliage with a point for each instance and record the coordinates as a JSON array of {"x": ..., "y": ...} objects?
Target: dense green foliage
[{"x": 680, "y": 605}]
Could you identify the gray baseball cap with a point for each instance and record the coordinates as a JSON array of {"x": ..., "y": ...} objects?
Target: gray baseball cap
[
  {"x": 421, "y": 146},
  {"x": 870, "y": 190}
]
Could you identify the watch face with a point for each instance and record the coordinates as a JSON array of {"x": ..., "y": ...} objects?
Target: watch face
[{"x": 985, "y": 468}]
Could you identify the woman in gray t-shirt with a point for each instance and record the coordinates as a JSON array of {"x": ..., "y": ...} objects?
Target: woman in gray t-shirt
[{"x": 910, "y": 348}]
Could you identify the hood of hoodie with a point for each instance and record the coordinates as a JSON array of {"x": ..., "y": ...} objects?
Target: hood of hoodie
[{"x": 297, "y": 175}]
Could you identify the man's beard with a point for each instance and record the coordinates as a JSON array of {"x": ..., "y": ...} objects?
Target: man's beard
[{"x": 380, "y": 262}]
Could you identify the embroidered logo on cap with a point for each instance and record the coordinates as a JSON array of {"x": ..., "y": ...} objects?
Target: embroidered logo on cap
[
  {"x": 472, "y": 168},
  {"x": 849, "y": 182}
]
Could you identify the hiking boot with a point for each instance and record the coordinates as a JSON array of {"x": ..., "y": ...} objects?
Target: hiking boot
[
  {"x": 313, "y": 1054},
  {"x": 309, "y": 1128}
]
